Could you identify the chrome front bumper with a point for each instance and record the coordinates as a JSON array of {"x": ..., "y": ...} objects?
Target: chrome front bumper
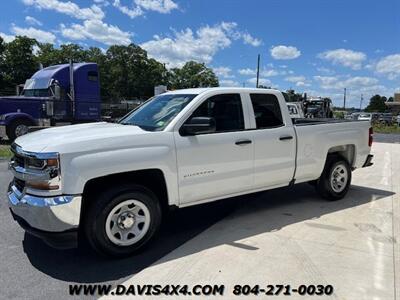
[{"x": 50, "y": 214}]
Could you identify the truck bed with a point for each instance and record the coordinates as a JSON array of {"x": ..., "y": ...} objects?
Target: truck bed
[{"x": 307, "y": 121}]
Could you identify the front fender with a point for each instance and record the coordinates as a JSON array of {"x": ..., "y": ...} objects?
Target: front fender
[
  {"x": 83, "y": 168},
  {"x": 10, "y": 117}
]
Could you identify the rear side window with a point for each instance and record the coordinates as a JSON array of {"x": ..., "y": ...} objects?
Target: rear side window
[
  {"x": 93, "y": 76},
  {"x": 266, "y": 110},
  {"x": 226, "y": 109}
]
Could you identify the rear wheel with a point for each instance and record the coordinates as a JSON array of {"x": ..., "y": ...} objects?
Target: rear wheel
[
  {"x": 122, "y": 220},
  {"x": 335, "y": 179},
  {"x": 17, "y": 128}
]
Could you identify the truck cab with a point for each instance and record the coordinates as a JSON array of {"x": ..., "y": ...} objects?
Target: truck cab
[
  {"x": 49, "y": 98},
  {"x": 318, "y": 108}
]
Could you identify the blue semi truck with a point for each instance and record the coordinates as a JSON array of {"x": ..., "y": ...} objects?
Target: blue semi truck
[{"x": 59, "y": 94}]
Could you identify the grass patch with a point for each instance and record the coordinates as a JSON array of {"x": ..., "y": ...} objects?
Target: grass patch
[
  {"x": 393, "y": 129},
  {"x": 5, "y": 151}
]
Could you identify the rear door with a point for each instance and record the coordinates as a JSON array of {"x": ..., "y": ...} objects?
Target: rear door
[
  {"x": 216, "y": 164},
  {"x": 274, "y": 141}
]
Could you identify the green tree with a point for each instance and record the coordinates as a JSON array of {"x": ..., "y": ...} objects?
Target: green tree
[
  {"x": 292, "y": 96},
  {"x": 72, "y": 51},
  {"x": 19, "y": 60},
  {"x": 192, "y": 75},
  {"x": 2, "y": 61},
  {"x": 47, "y": 55},
  {"x": 376, "y": 104},
  {"x": 94, "y": 54},
  {"x": 129, "y": 73}
]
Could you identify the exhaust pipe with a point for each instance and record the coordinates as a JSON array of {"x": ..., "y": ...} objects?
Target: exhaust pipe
[{"x": 72, "y": 88}]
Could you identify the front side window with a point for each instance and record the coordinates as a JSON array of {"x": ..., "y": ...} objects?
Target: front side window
[
  {"x": 158, "y": 112},
  {"x": 226, "y": 109},
  {"x": 266, "y": 110}
]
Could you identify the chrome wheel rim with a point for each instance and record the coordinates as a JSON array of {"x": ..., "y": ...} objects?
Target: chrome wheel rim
[
  {"x": 21, "y": 130},
  {"x": 339, "y": 178},
  {"x": 128, "y": 222}
]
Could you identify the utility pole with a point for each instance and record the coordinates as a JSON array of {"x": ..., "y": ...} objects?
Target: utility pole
[
  {"x": 258, "y": 70},
  {"x": 344, "y": 99},
  {"x": 361, "y": 101}
]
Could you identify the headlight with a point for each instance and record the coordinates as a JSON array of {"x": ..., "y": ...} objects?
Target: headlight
[
  {"x": 40, "y": 164},
  {"x": 49, "y": 168},
  {"x": 40, "y": 171},
  {"x": 2, "y": 117}
]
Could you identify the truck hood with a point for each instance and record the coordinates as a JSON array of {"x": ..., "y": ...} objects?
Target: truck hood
[{"x": 80, "y": 138}]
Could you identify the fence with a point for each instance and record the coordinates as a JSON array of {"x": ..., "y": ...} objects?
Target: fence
[
  {"x": 8, "y": 92},
  {"x": 118, "y": 110}
]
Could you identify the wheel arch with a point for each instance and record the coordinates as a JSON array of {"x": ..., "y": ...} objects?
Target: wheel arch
[
  {"x": 12, "y": 117},
  {"x": 347, "y": 152},
  {"x": 18, "y": 118},
  {"x": 152, "y": 179}
]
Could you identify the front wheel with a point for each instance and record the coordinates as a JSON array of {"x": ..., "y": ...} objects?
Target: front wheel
[
  {"x": 17, "y": 128},
  {"x": 122, "y": 220},
  {"x": 335, "y": 179}
]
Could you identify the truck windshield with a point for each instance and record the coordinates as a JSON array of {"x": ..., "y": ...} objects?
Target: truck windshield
[
  {"x": 37, "y": 87},
  {"x": 158, "y": 112},
  {"x": 316, "y": 104},
  {"x": 37, "y": 83},
  {"x": 36, "y": 93}
]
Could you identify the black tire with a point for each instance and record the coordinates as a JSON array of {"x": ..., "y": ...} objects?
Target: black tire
[
  {"x": 312, "y": 182},
  {"x": 11, "y": 129},
  {"x": 101, "y": 206},
  {"x": 324, "y": 186}
]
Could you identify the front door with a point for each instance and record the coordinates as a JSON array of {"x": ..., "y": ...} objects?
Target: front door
[{"x": 216, "y": 164}]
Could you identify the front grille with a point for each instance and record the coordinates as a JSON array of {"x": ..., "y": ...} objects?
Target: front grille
[
  {"x": 19, "y": 184},
  {"x": 19, "y": 161}
]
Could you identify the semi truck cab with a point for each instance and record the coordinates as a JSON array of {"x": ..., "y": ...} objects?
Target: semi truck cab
[{"x": 49, "y": 98}]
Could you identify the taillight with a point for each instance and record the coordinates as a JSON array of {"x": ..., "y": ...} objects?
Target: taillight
[{"x": 370, "y": 137}]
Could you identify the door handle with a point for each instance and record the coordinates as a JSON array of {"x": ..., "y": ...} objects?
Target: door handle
[
  {"x": 285, "y": 137},
  {"x": 243, "y": 142}
]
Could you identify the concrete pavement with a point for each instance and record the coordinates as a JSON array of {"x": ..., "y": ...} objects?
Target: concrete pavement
[
  {"x": 290, "y": 236},
  {"x": 283, "y": 236}
]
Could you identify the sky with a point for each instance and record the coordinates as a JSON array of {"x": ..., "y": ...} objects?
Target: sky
[{"x": 315, "y": 46}]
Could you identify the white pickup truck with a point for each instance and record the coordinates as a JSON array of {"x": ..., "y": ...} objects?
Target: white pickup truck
[{"x": 111, "y": 183}]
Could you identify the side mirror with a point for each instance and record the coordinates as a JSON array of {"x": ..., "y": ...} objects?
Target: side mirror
[
  {"x": 57, "y": 92},
  {"x": 198, "y": 125}
]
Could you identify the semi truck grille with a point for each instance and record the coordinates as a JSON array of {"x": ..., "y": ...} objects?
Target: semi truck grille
[{"x": 19, "y": 184}]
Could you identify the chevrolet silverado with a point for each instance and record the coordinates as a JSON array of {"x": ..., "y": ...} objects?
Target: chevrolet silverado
[{"x": 110, "y": 183}]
